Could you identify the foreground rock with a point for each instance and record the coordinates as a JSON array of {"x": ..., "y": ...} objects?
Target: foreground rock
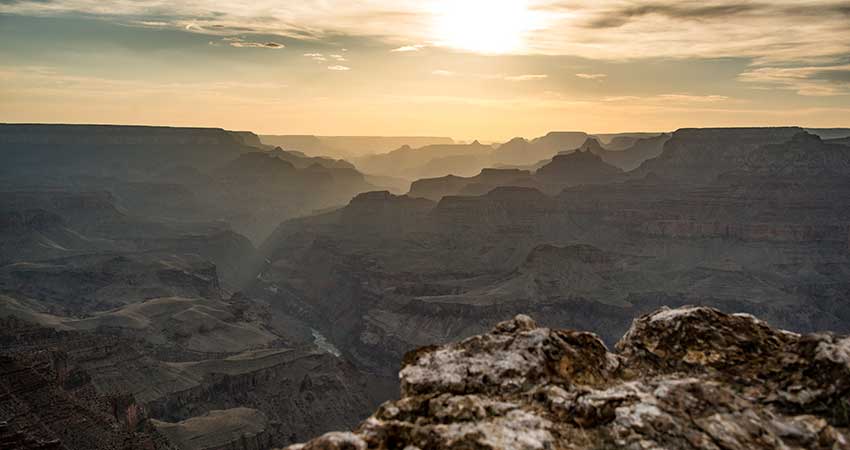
[{"x": 688, "y": 378}]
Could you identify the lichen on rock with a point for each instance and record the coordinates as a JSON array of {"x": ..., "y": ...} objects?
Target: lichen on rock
[{"x": 689, "y": 378}]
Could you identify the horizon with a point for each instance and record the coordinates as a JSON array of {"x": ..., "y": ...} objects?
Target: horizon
[
  {"x": 457, "y": 140},
  {"x": 436, "y": 68}
]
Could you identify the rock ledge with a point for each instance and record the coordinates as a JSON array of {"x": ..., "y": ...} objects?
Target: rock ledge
[{"x": 688, "y": 378}]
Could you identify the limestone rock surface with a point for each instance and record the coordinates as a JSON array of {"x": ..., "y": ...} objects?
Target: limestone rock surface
[{"x": 686, "y": 378}]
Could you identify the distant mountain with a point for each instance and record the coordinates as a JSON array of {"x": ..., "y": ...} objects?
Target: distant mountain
[
  {"x": 804, "y": 155},
  {"x": 427, "y": 161},
  {"x": 301, "y": 161},
  {"x": 830, "y": 133},
  {"x": 767, "y": 235},
  {"x": 840, "y": 141},
  {"x": 700, "y": 155},
  {"x": 183, "y": 174},
  {"x": 632, "y": 156},
  {"x": 486, "y": 181},
  {"x": 349, "y": 146},
  {"x": 621, "y": 141},
  {"x": 519, "y": 151},
  {"x": 578, "y": 167},
  {"x": 131, "y": 152}
]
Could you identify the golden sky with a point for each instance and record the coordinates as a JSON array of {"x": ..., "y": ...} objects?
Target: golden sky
[{"x": 485, "y": 69}]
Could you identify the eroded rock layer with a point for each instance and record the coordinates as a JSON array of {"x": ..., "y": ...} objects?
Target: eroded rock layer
[{"x": 687, "y": 378}]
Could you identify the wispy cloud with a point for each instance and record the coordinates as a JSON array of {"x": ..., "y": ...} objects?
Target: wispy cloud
[
  {"x": 486, "y": 76},
  {"x": 668, "y": 99},
  {"x": 813, "y": 81},
  {"x": 592, "y": 76},
  {"x": 688, "y": 98},
  {"x": 528, "y": 77},
  {"x": 316, "y": 57},
  {"x": 241, "y": 43},
  {"x": 443, "y": 73},
  {"x": 408, "y": 48},
  {"x": 339, "y": 68}
]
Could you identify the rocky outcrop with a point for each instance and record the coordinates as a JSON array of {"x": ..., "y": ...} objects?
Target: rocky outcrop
[
  {"x": 690, "y": 378},
  {"x": 484, "y": 182},
  {"x": 578, "y": 167},
  {"x": 506, "y": 208},
  {"x": 699, "y": 155},
  {"x": 804, "y": 155},
  {"x": 382, "y": 212}
]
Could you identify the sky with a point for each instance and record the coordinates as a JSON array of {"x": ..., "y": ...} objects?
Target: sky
[{"x": 469, "y": 69}]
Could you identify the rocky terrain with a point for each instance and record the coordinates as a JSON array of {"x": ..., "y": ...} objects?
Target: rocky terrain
[
  {"x": 578, "y": 167},
  {"x": 688, "y": 378},
  {"x": 591, "y": 257},
  {"x": 178, "y": 174},
  {"x": 581, "y": 166},
  {"x": 429, "y": 161},
  {"x": 136, "y": 309},
  {"x": 115, "y": 326},
  {"x": 634, "y": 154},
  {"x": 484, "y": 182}
]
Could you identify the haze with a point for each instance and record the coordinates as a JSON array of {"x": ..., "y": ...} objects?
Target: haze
[{"x": 471, "y": 69}]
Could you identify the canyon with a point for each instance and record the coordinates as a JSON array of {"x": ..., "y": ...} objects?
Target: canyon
[{"x": 168, "y": 288}]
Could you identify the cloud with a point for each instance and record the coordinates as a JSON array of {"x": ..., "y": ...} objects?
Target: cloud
[
  {"x": 316, "y": 57},
  {"x": 529, "y": 77},
  {"x": 811, "y": 81},
  {"x": 339, "y": 68},
  {"x": 408, "y": 48},
  {"x": 592, "y": 76},
  {"x": 487, "y": 76},
  {"x": 688, "y": 98},
  {"x": 780, "y": 31},
  {"x": 619, "y": 17},
  {"x": 668, "y": 99},
  {"x": 339, "y": 57},
  {"x": 269, "y": 45}
]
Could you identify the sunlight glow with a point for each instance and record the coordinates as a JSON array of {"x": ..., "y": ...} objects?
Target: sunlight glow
[{"x": 483, "y": 26}]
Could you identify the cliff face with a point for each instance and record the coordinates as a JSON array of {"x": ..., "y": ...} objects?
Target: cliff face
[
  {"x": 699, "y": 155},
  {"x": 132, "y": 151},
  {"x": 177, "y": 174},
  {"x": 579, "y": 167},
  {"x": 690, "y": 378},
  {"x": 484, "y": 182}
]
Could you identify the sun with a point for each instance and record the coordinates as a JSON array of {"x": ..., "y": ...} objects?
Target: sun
[{"x": 483, "y": 26}]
